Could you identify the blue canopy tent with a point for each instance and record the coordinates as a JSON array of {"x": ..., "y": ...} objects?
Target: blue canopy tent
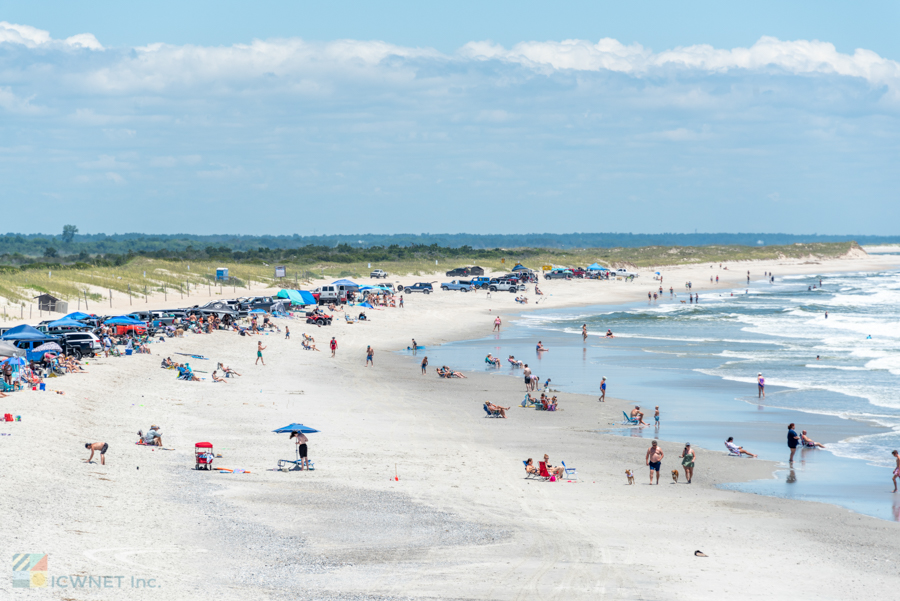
[
  {"x": 346, "y": 283},
  {"x": 121, "y": 320},
  {"x": 520, "y": 267},
  {"x": 77, "y": 316},
  {"x": 366, "y": 305},
  {"x": 65, "y": 322},
  {"x": 296, "y": 428},
  {"x": 24, "y": 332},
  {"x": 298, "y": 297},
  {"x": 597, "y": 267}
]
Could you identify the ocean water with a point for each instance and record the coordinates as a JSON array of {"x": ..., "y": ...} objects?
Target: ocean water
[{"x": 837, "y": 376}]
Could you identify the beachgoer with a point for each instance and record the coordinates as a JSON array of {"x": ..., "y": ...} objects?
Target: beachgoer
[
  {"x": 216, "y": 378},
  {"x": 603, "y": 389},
  {"x": 761, "y": 385},
  {"x": 609, "y": 334},
  {"x": 497, "y": 324},
  {"x": 414, "y": 346},
  {"x": 656, "y": 416},
  {"x": 793, "y": 441},
  {"x": 515, "y": 362},
  {"x": 153, "y": 436},
  {"x": 637, "y": 414},
  {"x": 401, "y": 301},
  {"x": 501, "y": 410},
  {"x": 370, "y": 354},
  {"x": 97, "y": 446},
  {"x": 896, "y": 468},
  {"x": 687, "y": 461},
  {"x": 540, "y": 346},
  {"x": 654, "y": 458},
  {"x": 287, "y": 333},
  {"x": 259, "y": 349},
  {"x": 558, "y": 471},
  {"x": 529, "y": 467},
  {"x": 302, "y": 449},
  {"x": 736, "y": 449},
  {"x": 527, "y": 374},
  {"x": 424, "y": 365},
  {"x": 809, "y": 443},
  {"x": 826, "y": 314},
  {"x": 584, "y": 332},
  {"x": 333, "y": 345}
]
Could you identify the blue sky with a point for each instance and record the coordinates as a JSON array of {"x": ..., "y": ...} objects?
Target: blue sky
[{"x": 285, "y": 117}]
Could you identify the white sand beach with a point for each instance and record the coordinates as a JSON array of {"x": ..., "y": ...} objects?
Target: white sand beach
[{"x": 461, "y": 522}]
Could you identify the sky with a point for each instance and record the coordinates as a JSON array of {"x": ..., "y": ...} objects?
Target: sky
[{"x": 401, "y": 117}]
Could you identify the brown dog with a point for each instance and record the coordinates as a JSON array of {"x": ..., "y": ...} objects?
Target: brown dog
[
  {"x": 630, "y": 475},
  {"x": 675, "y": 476}
]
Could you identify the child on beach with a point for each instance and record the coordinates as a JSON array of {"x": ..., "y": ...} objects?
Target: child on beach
[
  {"x": 656, "y": 416},
  {"x": 259, "y": 349},
  {"x": 287, "y": 333},
  {"x": 424, "y": 365},
  {"x": 370, "y": 354}
]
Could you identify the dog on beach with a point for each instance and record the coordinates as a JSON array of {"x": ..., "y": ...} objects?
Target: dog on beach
[
  {"x": 675, "y": 476},
  {"x": 630, "y": 475}
]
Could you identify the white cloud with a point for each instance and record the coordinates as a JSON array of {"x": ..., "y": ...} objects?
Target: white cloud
[
  {"x": 12, "y": 103},
  {"x": 115, "y": 177},
  {"x": 105, "y": 161},
  {"x": 33, "y": 37},
  {"x": 799, "y": 56}
]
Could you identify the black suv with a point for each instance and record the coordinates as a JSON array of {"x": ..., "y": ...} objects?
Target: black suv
[
  {"x": 419, "y": 287},
  {"x": 80, "y": 344},
  {"x": 258, "y": 302},
  {"x": 459, "y": 271}
]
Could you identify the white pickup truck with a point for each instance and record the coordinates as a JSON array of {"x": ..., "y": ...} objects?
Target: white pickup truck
[{"x": 624, "y": 273}]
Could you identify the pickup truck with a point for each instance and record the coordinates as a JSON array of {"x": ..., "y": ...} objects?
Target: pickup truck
[
  {"x": 624, "y": 273},
  {"x": 558, "y": 274},
  {"x": 463, "y": 285},
  {"x": 378, "y": 273},
  {"x": 506, "y": 285}
]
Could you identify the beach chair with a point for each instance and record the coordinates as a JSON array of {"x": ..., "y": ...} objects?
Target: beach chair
[
  {"x": 490, "y": 412},
  {"x": 4, "y": 387},
  {"x": 733, "y": 451},
  {"x": 545, "y": 475},
  {"x": 532, "y": 475},
  {"x": 349, "y": 319},
  {"x": 630, "y": 421},
  {"x": 571, "y": 472},
  {"x": 545, "y": 404}
]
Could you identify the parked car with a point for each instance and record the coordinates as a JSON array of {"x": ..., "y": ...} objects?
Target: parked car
[
  {"x": 419, "y": 287},
  {"x": 481, "y": 282},
  {"x": 258, "y": 302},
  {"x": 29, "y": 345},
  {"x": 318, "y": 317},
  {"x": 558, "y": 274},
  {"x": 463, "y": 285},
  {"x": 378, "y": 273},
  {"x": 334, "y": 293},
  {"x": 459, "y": 271},
  {"x": 80, "y": 344},
  {"x": 506, "y": 285}
]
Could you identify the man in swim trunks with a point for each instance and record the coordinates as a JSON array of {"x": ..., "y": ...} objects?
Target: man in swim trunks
[
  {"x": 527, "y": 374},
  {"x": 654, "y": 459},
  {"x": 637, "y": 414},
  {"x": 97, "y": 446},
  {"x": 761, "y": 385}
]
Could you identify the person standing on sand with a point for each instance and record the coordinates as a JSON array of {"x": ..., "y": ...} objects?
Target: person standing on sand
[
  {"x": 896, "y": 455},
  {"x": 287, "y": 333},
  {"x": 424, "y": 365},
  {"x": 414, "y": 346},
  {"x": 603, "y": 389},
  {"x": 302, "y": 449},
  {"x": 401, "y": 301},
  {"x": 370, "y": 356},
  {"x": 496, "y": 324},
  {"x": 793, "y": 441},
  {"x": 656, "y": 416},
  {"x": 333, "y": 345},
  {"x": 761, "y": 385},
  {"x": 259, "y": 349},
  {"x": 654, "y": 458},
  {"x": 584, "y": 332},
  {"x": 687, "y": 461},
  {"x": 526, "y": 372},
  {"x": 97, "y": 446}
]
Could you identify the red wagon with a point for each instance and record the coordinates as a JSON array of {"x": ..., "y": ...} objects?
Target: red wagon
[{"x": 203, "y": 454}]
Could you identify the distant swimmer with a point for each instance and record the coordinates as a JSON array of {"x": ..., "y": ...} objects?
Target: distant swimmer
[
  {"x": 817, "y": 357},
  {"x": 761, "y": 384},
  {"x": 609, "y": 334}
]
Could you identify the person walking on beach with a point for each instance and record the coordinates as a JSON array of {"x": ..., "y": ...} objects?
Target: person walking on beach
[
  {"x": 287, "y": 333},
  {"x": 259, "y": 349},
  {"x": 654, "y": 458},
  {"x": 414, "y": 346},
  {"x": 761, "y": 386},
  {"x": 370, "y": 356},
  {"x": 401, "y": 301},
  {"x": 656, "y": 416},
  {"x": 424, "y": 365},
  {"x": 496, "y": 324},
  {"x": 603, "y": 389},
  {"x": 584, "y": 332},
  {"x": 896, "y": 455},
  {"x": 97, "y": 446},
  {"x": 687, "y": 461},
  {"x": 793, "y": 441},
  {"x": 333, "y": 345}
]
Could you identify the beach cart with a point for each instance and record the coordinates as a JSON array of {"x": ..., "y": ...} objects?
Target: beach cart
[{"x": 203, "y": 455}]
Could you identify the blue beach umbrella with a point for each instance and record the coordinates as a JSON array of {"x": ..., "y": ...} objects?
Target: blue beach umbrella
[
  {"x": 14, "y": 361},
  {"x": 258, "y": 311},
  {"x": 295, "y": 428}
]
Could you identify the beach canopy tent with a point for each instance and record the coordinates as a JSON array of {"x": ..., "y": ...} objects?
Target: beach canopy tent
[
  {"x": 122, "y": 320},
  {"x": 295, "y": 428},
  {"x": 520, "y": 267},
  {"x": 24, "y": 332},
  {"x": 77, "y": 316},
  {"x": 65, "y": 322},
  {"x": 597, "y": 267},
  {"x": 8, "y": 349},
  {"x": 297, "y": 297},
  {"x": 345, "y": 283}
]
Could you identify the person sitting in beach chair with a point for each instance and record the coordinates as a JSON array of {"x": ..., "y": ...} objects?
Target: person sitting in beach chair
[
  {"x": 153, "y": 437},
  {"x": 515, "y": 362},
  {"x": 492, "y": 361},
  {"x": 809, "y": 443},
  {"x": 637, "y": 414},
  {"x": 443, "y": 372},
  {"x": 537, "y": 290},
  {"x": 532, "y": 472},
  {"x": 349, "y": 319},
  {"x": 362, "y": 316},
  {"x": 167, "y": 363},
  {"x": 229, "y": 373},
  {"x": 553, "y": 403},
  {"x": 495, "y": 410},
  {"x": 216, "y": 378},
  {"x": 308, "y": 338},
  {"x": 735, "y": 450}
]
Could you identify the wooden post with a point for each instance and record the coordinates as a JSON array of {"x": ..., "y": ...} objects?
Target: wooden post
[
  {"x": 110, "y": 297},
  {"x": 129, "y": 295},
  {"x": 145, "y": 294},
  {"x": 85, "y": 301}
]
